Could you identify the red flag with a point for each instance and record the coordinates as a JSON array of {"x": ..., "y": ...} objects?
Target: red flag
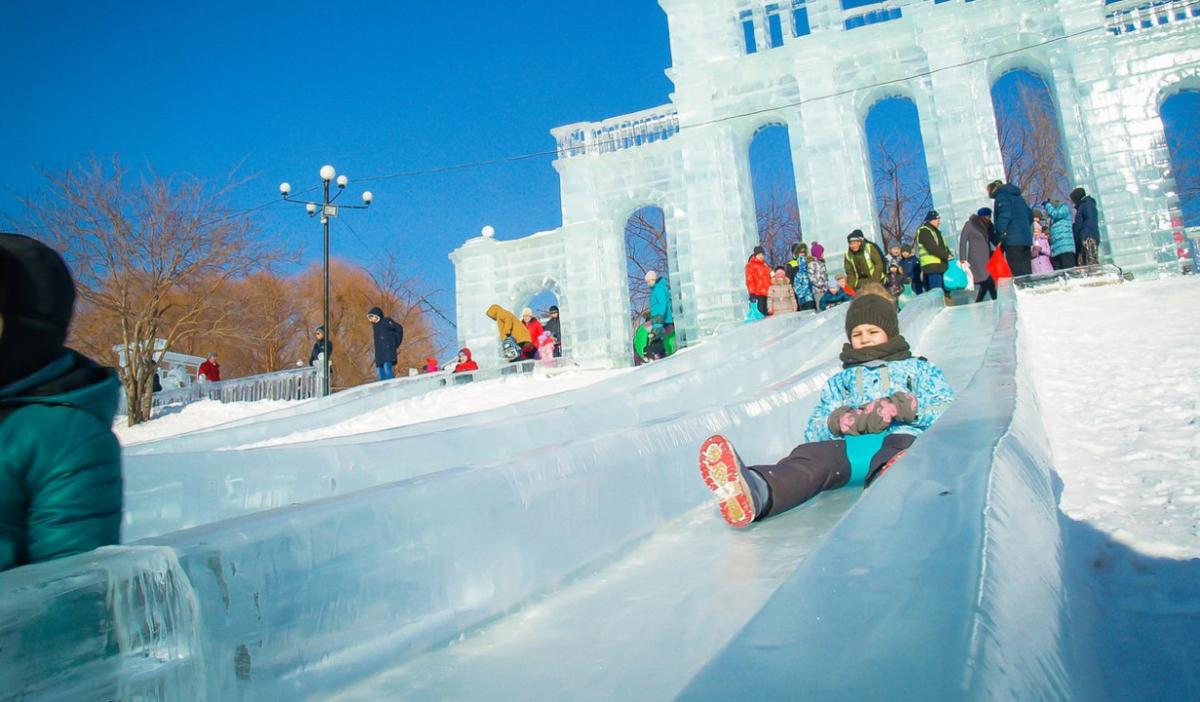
[{"x": 997, "y": 267}]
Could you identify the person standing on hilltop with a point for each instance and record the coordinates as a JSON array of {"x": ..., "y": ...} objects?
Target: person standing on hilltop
[{"x": 388, "y": 335}]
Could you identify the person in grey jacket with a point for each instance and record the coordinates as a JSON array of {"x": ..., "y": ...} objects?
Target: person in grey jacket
[{"x": 975, "y": 248}]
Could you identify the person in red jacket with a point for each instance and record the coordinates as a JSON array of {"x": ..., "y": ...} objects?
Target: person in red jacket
[
  {"x": 533, "y": 324},
  {"x": 431, "y": 365},
  {"x": 210, "y": 370},
  {"x": 758, "y": 279},
  {"x": 465, "y": 364}
]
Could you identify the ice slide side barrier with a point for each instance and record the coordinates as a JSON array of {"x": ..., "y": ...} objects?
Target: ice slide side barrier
[
  {"x": 166, "y": 492},
  {"x": 945, "y": 583},
  {"x": 303, "y": 601}
]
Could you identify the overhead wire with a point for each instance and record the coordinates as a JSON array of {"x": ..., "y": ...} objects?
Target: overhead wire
[
  {"x": 420, "y": 298},
  {"x": 751, "y": 113}
]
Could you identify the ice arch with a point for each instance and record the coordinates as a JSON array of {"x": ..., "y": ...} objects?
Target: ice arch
[{"x": 814, "y": 65}]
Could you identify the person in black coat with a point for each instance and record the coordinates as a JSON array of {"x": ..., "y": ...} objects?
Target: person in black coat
[
  {"x": 1086, "y": 227},
  {"x": 1012, "y": 226},
  {"x": 321, "y": 346},
  {"x": 388, "y": 335},
  {"x": 553, "y": 326}
]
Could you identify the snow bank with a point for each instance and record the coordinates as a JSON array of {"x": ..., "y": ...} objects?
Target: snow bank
[
  {"x": 1118, "y": 377},
  {"x": 170, "y": 421},
  {"x": 450, "y": 402}
]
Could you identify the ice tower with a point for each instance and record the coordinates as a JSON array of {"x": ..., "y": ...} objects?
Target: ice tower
[{"x": 818, "y": 67}]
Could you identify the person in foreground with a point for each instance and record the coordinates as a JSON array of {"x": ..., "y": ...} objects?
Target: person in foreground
[
  {"x": 869, "y": 414},
  {"x": 60, "y": 464}
]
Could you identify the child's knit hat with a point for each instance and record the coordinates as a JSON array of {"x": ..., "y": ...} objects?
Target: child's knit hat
[{"x": 873, "y": 309}]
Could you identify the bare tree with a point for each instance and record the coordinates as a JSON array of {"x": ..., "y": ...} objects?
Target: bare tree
[
  {"x": 645, "y": 250},
  {"x": 151, "y": 257},
  {"x": 902, "y": 197},
  {"x": 778, "y": 225},
  {"x": 1031, "y": 144}
]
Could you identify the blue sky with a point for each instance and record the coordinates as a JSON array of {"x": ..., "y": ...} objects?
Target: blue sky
[{"x": 373, "y": 88}]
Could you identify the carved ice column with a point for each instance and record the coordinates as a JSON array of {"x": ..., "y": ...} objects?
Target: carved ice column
[
  {"x": 958, "y": 126},
  {"x": 719, "y": 211},
  {"x": 837, "y": 174},
  {"x": 476, "y": 287}
]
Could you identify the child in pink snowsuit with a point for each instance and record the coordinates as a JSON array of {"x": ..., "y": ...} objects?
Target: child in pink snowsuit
[
  {"x": 1040, "y": 252},
  {"x": 545, "y": 346}
]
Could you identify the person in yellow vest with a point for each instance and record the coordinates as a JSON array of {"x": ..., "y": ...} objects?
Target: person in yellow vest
[
  {"x": 864, "y": 261},
  {"x": 934, "y": 255}
]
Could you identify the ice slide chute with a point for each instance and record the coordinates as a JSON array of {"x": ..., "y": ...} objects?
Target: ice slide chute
[
  {"x": 186, "y": 483},
  {"x": 306, "y": 600}
]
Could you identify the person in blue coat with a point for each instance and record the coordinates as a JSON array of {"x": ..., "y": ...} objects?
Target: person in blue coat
[
  {"x": 1012, "y": 221},
  {"x": 1062, "y": 235},
  {"x": 1086, "y": 227},
  {"x": 662, "y": 320},
  {"x": 868, "y": 415}
]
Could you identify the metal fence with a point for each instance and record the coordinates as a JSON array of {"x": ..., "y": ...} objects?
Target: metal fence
[{"x": 290, "y": 384}]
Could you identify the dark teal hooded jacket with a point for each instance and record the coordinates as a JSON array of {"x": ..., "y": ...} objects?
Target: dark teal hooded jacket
[{"x": 60, "y": 465}]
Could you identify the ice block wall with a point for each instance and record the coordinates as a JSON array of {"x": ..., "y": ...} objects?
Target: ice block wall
[{"x": 817, "y": 68}]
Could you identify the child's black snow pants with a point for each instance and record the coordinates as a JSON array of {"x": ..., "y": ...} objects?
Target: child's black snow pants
[{"x": 812, "y": 468}]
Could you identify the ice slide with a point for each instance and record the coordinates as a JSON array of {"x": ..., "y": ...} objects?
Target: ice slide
[
  {"x": 193, "y": 480},
  {"x": 344, "y": 594}
]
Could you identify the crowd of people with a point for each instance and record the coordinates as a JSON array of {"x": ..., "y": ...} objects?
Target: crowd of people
[{"x": 1030, "y": 241}]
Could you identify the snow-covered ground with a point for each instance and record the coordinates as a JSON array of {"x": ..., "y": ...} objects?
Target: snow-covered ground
[
  {"x": 1117, "y": 370},
  {"x": 450, "y": 402},
  {"x": 170, "y": 421}
]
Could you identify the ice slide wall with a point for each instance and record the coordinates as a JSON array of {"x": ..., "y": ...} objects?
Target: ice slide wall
[
  {"x": 188, "y": 482},
  {"x": 302, "y": 601},
  {"x": 947, "y": 580}
]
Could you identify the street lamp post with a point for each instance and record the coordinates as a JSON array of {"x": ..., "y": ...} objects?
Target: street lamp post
[{"x": 328, "y": 210}]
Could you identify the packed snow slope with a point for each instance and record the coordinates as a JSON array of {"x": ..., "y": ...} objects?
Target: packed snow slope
[
  {"x": 1117, "y": 374},
  {"x": 172, "y": 421},
  {"x": 1117, "y": 370}
]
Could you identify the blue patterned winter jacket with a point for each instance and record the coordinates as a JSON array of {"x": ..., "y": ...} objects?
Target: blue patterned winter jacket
[
  {"x": 800, "y": 282},
  {"x": 858, "y": 385},
  {"x": 1062, "y": 237}
]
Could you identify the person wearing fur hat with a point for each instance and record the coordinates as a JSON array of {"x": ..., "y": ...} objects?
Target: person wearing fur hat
[
  {"x": 868, "y": 415},
  {"x": 60, "y": 464},
  {"x": 864, "y": 260},
  {"x": 758, "y": 279},
  {"x": 818, "y": 274},
  {"x": 1086, "y": 228}
]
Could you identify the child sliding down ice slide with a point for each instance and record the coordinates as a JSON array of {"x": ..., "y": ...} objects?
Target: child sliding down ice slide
[{"x": 869, "y": 414}]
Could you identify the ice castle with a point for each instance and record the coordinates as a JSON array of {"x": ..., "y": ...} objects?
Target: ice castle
[{"x": 818, "y": 68}]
